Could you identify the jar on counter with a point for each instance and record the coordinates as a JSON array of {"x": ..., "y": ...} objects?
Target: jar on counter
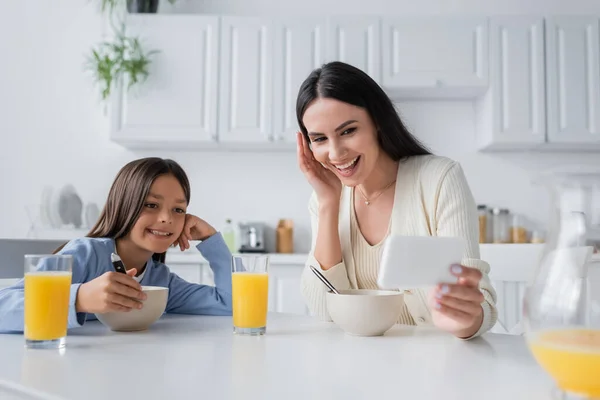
[
  {"x": 537, "y": 236},
  {"x": 482, "y": 210},
  {"x": 518, "y": 229},
  {"x": 501, "y": 225}
]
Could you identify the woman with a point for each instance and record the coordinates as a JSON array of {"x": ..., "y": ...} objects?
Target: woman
[{"x": 370, "y": 178}]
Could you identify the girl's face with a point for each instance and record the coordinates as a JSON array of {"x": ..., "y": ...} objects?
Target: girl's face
[
  {"x": 343, "y": 139},
  {"x": 162, "y": 217}
]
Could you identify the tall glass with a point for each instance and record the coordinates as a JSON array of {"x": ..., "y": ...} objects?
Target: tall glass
[
  {"x": 562, "y": 307},
  {"x": 47, "y": 290},
  {"x": 250, "y": 287}
]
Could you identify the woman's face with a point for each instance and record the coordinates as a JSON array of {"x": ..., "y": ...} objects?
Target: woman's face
[{"x": 343, "y": 138}]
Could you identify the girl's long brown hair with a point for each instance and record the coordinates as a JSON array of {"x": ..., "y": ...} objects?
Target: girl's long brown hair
[{"x": 127, "y": 196}]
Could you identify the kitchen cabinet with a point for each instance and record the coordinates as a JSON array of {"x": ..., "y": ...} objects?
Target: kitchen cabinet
[
  {"x": 284, "y": 289},
  {"x": 356, "y": 40},
  {"x": 246, "y": 91},
  {"x": 435, "y": 56},
  {"x": 512, "y": 114},
  {"x": 545, "y": 85},
  {"x": 573, "y": 79},
  {"x": 232, "y": 81},
  {"x": 176, "y": 106},
  {"x": 298, "y": 50},
  {"x": 284, "y": 280}
]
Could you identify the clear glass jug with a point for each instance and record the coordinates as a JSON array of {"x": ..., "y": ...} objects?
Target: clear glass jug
[{"x": 562, "y": 305}]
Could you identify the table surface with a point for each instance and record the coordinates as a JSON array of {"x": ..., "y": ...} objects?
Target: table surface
[{"x": 198, "y": 357}]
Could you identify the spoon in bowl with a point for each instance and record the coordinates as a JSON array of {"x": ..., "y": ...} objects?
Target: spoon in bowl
[{"x": 324, "y": 280}]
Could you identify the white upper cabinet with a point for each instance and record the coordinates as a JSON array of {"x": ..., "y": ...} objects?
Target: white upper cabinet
[
  {"x": 513, "y": 111},
  {"x": 357, "y": 41},
  {"x": 442, "y": 56},
  {"x": 299, "y": 49},
  {"x": 178, "y": 102},
  {"x": 231, "y": 82},
  {"x": 246, "y": 81},
  {"x": 573, "y": 79}
]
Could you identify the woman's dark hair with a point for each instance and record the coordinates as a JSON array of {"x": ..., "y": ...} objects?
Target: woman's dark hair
[
  {"x": 128, "y": 193},
  {"x": 343, "y": 82}
]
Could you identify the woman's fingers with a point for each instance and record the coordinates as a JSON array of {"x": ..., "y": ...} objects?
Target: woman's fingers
[
  {"x": 467, "y": 275},
  {"x": 466, "y": 306},
  {"x": 459, "y": 291}
]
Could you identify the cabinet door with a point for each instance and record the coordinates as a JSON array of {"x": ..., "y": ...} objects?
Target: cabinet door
[
  {"x": 299, "y": 48},
  {"x": 177, "y": 103},
  {"x": 245, "y": 113},
  {"x": 190, "y": 272},
  {"x": 357, "y": 41},
  {"x": 573, "y": 80},
  {"x": 284, "y": 289},
  {"x": 517, "y": 80},
  {"x": 435, "y": 53}
]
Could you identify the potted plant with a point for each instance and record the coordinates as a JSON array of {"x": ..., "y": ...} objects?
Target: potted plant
[
  {"x": 134, "y": 6},
  {"x": 120, "y": 60}
]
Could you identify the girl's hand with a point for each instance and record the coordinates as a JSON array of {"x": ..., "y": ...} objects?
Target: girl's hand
[
  {"x": 456, "y": 308},
  {"x": 112, "y": 291},
  {"x": 326, "y": 184},
  {"x": 194, "y": 229}
]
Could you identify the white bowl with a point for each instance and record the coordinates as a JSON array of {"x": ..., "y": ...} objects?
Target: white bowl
[
  {"x": 362, "y": 312},
  {"x": 138, "y": 320}
]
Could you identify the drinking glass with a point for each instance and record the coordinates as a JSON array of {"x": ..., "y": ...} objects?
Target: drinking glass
[
  {"x": 250, "y": 293},
  {"x": 47, "y": 291}
]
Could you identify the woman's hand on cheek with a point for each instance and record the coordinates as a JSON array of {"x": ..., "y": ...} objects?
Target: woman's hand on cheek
[
  {"x": 194, "y": 229},
  {"x": 326, "y": 184},
  {"x": 456, "y": 307}
]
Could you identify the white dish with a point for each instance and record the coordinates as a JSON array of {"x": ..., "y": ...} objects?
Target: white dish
[
  {"x": 361, "y": 312},
  {"x": 410, "y": 262},
  {"x": 45, "y": 207},
  {"x": 138, "y": 320}
]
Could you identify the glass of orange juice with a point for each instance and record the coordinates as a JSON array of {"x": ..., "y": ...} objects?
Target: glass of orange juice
[
  {"x": 562, "y": 301},
  {"x": 250, "y": 293},
  {"x": 47, "y": 290}
]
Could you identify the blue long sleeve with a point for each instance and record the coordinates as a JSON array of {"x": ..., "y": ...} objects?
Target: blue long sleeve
[
  {"x": 91, "y": 258},
  {"x": 12, "y": 310},
  {"x": 192, "y": 298}
]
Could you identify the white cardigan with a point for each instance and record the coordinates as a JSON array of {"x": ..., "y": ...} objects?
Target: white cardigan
[{"x": 432, "y": 198}]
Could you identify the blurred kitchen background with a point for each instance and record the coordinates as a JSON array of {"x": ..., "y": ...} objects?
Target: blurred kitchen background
[{"x": 62, "y": 145}]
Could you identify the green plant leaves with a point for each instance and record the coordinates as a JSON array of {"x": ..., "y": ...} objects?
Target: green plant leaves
[{"x": 121, "y": 59}]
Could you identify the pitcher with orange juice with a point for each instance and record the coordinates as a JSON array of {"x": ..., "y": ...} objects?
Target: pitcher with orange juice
[
  {"x": 46, "y": 301},
  {"x": 250, "y": 294},
  {"x": 562, "y": 306}
]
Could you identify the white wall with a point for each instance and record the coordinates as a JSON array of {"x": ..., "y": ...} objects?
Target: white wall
[{"x": 53, "y": 130}]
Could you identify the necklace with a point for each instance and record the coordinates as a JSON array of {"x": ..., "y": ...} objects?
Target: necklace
[{"x": 369, "y": 201}]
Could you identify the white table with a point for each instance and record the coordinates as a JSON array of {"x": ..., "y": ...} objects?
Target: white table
[{"x": 191, "y": 357}]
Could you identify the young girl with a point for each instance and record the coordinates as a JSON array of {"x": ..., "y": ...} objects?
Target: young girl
[{"x": 144, "y": 215}]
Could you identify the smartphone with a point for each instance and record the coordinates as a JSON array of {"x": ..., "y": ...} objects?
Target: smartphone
[
  {"x": 117, "y": 263},
  {"x": 411, "y": 262}
]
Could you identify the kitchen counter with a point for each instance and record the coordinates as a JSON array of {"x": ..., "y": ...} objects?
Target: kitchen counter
[
  {"x": 193, "y": 256},
  {"x": 192, "y": 357}
]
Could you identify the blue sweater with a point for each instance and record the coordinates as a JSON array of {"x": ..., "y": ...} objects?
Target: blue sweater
[{"x": 91, "y": 258}]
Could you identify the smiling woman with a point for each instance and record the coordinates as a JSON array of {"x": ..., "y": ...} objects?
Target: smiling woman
[{"x": 351, "y": 137}]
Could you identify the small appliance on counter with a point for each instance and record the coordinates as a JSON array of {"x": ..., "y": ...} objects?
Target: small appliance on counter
[{"x": 252, "y": 237}]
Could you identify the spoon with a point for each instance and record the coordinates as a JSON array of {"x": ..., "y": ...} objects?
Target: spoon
[{"x": 324, "y": 280}]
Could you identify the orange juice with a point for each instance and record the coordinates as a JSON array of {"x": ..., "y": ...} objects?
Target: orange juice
[
  {"x": 250, "y": 299},
  {"x": 571, "y": 357},
  {"x": 47, "y": 304}
]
